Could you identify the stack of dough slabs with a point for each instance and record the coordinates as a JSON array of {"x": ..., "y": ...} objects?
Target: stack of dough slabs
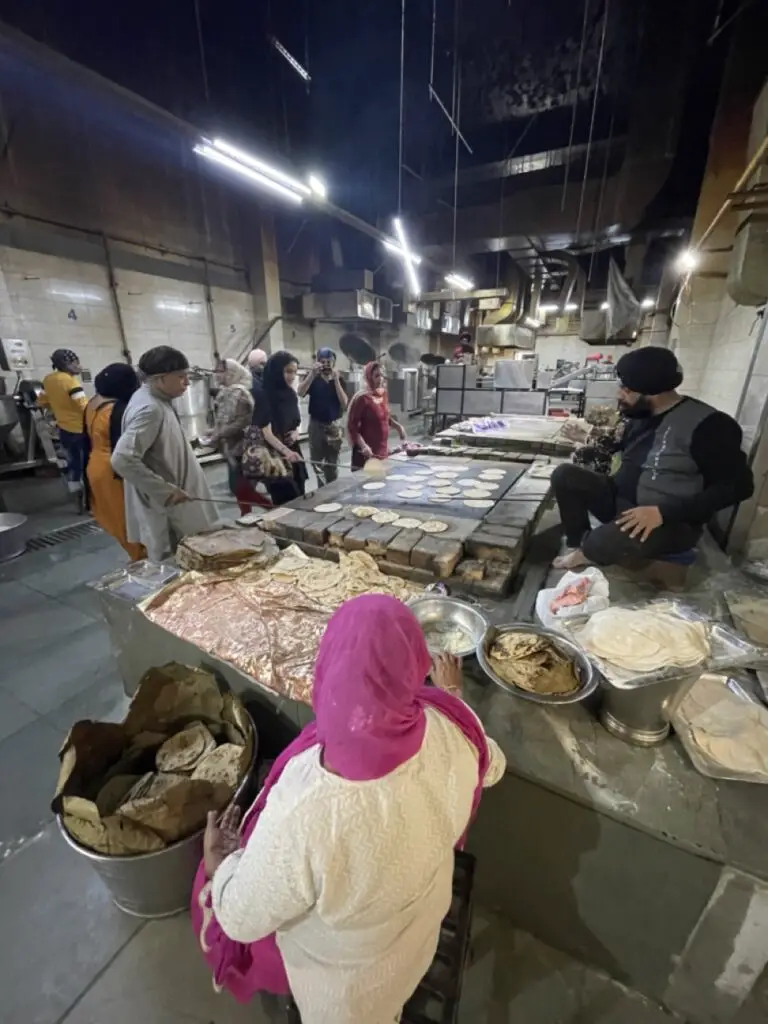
[
  {"x": 634, "y": 642},
  {"x": 532, "y": 663}
]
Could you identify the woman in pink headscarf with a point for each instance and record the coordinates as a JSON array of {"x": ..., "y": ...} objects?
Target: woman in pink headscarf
[
  {"x": 341, "y": 874},
  {"x": 369, "y": 419}
]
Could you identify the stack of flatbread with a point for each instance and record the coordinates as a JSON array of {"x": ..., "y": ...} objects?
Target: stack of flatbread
[
  {"x": 533, "y": 663},
  {"x": 640, "y": 641},
  {"x": 226, "y": 548},
  {"x": 333, "y": 583}
]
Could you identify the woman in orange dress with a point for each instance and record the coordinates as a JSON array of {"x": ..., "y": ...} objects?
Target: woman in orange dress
[{"x": 103, "y": 425}]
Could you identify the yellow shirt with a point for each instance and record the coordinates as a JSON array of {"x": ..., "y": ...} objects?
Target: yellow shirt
[{"x": 65, "y": 397}]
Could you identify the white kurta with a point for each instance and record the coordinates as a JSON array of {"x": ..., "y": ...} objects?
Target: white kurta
[
  {"x": 355, "y": 877},
  {"x": 154, "y": 458}
]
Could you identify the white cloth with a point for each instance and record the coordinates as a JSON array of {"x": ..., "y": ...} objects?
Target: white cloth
[
  {"x": 154, "y": 458},
  {"x": 355, "y": 877}
]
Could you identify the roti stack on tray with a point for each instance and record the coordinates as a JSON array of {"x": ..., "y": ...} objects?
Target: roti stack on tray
[{"x": 531, "y": 662}]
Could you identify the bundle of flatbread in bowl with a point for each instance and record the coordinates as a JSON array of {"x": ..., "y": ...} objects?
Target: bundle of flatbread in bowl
[
  {"x": 634, "y": 644},
  {"x": 138, "y": 786}
]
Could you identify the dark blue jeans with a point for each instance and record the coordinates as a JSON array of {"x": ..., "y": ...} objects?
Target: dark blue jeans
[{"x": 74, "y": 448}]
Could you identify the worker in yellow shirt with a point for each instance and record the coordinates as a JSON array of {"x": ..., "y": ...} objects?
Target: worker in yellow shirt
[{"x": 64, "y": 396}]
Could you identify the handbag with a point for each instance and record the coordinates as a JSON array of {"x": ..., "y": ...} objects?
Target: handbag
[
  {"x": 334, "y": 434},
  {"x": 260, "y": 461}
]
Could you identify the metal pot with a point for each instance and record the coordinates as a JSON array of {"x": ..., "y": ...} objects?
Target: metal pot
[
  {"x": 193, "y": 407},
  {"x": 158, "y": 884},
  {"x": 14, "y": 530},
  {"x": 636, "y": 715}
]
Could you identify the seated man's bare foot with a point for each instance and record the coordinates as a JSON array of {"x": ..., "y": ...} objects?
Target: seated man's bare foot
[{"x": 572, "y": 559}]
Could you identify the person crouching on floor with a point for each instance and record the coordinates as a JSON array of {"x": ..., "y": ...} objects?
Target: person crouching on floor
[{"x": 681, "y": 462}]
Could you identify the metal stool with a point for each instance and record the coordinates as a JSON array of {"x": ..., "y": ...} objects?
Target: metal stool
[{"x": 436, "y": 1000}]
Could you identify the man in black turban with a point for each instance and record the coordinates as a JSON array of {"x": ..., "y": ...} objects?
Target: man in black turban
[{"x": 681, "y": 462}]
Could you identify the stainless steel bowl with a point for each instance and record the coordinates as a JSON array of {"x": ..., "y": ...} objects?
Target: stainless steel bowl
[
  {"x": 585, "y": 673},
  {"x": 448, "y": 611}
]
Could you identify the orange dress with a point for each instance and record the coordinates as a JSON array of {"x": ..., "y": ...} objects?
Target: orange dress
[{"x": 106, "y": 490}]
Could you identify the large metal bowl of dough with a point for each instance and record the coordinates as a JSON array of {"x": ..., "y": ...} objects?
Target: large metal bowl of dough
[
  {"x": 449, "y": 626},
  {"x": 537, "y": 664}
]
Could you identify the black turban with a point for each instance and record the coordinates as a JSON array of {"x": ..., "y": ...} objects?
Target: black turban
[{"x": 650, "y": 370}]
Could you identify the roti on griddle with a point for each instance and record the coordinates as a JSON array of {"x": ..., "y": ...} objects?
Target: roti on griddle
[
  {"x": 385, "y": 516},
  {"x": 363, "y": 511}
]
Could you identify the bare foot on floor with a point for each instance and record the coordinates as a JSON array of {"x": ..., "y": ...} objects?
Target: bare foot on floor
[{"x": 573, "y": 559}]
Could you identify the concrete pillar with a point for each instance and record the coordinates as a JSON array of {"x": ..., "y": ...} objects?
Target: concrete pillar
[{"x": 264, "y": 276}]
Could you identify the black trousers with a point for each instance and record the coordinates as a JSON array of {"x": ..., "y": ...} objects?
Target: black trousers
[{"x": 581, "y": 492}]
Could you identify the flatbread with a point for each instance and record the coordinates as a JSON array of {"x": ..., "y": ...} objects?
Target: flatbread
[
  {"x": 493, "y": 474},
  {"x": 531, "y": 662},
  {"x": 182, "y": 751},
  {"x": 363, "y": 511},
  {"x": 434, "y": 526},
  {"x": 385, "y": 516},
  {"x": 468, "y": 481},
  {"x": 411, "y": 493},
  {"x": 449, "y": 492},
  {"x": 643, "y": 640},
  {"x": 398, "y": 476},
  {"x": 476, "y": 492},
  {"x": 375, "y": 485},
  {"x": 478, "y": 503},
  {"x": 440, "y": 499},
  {"x": 407, "y": 524},
  {"x": 331, "y": 506},
  {"x": 224, "y": 766}
]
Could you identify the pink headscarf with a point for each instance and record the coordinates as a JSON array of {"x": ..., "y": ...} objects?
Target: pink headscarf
[
  {"x": 371, "y": 665},
  {"x": 369, "y": 700}
]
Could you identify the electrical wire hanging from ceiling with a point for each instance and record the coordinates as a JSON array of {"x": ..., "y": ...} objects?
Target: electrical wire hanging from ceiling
[
  {"x": 201, "y": 47},
  {"x": 400, "y": 153},
  {"x": 575, "y": 103},
  {"x": 598, "y": 78}
]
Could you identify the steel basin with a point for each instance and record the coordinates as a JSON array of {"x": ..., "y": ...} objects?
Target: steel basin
[
  {"x": 585, "y": 672},
  {"x": 14, "y": 530},
  {"x": 447, "y": 610}
]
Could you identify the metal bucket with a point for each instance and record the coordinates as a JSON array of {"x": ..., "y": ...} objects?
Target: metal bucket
[
  {"x": 193, "y": 407},
  {"x": 13, "y": 535},
  {"x": 158, "y": 884},
  {"x": 636, "y": 715},
  {"x": 148, "y": 885}
]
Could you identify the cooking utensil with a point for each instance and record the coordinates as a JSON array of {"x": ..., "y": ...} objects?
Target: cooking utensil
[
  {"x": 586, "y": 675},
  {"x": 447, "y": 611},
  {"x": 14, "y": 530}
]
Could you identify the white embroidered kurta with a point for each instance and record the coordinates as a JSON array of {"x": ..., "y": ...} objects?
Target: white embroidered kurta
[
  {"x": 355, "y": 877},
  {"x": 154, "y": 458}
]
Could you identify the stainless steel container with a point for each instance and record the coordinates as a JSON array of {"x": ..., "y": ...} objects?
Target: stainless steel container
[
  {"x": 431, "y": 611},
  {"x": 194, "y": 406},
  {"x": 148, "y": 885},
  {"x": 14, "y": 530},
  {"x": 636, "y": 715},
  {"x": 9, "y": 416},
  {"x": 159, "y": 884},
  {"x": 585, "y": 672}
]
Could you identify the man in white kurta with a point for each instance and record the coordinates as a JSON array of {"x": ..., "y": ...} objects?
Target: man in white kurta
[
  {"x": 157, "y": 464},
  {"x": 355, "y": 877}
]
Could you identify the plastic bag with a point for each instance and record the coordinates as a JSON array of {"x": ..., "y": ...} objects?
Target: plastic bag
[
  {"x": 723, "y": 729},
  {"x": 597, "y": 598}
]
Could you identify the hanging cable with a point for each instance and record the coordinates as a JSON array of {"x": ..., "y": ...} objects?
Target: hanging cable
[
  {"x": 402, "y": 100},
  {"x": 432, "y": 51},
  {"x": 575, "y": 103},
  {"x": 201, "y": 47},
  {"x": 599, "y": 210},
  {"x": 505, "y": 161},
  {"x": 598, "y": 77},
  {"x": 456, "y": 163}
]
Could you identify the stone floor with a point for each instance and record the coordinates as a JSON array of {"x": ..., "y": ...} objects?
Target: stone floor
[{"x": 68, "y": 954}]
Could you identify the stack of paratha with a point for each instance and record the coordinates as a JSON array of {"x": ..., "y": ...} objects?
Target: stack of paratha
[
  {"x": 226, "y": 548},
  {"x": 532, "y": 662}
]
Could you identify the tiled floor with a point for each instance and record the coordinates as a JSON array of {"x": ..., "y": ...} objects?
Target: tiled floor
[{"x": 68, "y": 954}]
